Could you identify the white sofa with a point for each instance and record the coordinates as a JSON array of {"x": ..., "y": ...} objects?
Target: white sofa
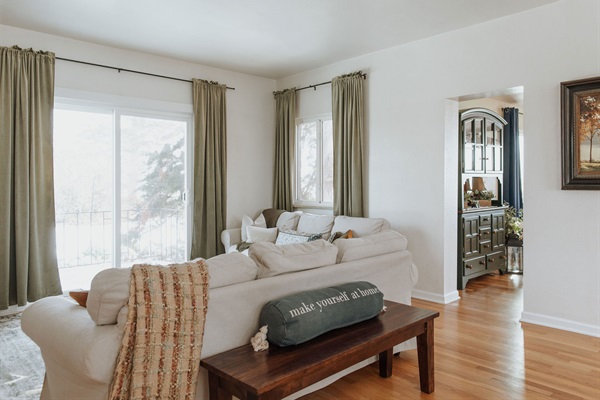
[{"x": 80, "y": 345}]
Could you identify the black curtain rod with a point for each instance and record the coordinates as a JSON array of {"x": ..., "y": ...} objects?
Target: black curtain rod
[
  {"x": 322, "y": 83},
  {"x": 129, "y": 70}
]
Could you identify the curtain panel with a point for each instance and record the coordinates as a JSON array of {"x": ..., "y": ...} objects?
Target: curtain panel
[
  {"x": 210, "y": 168},
  {"x": 348, "y": 125},
  {"x": 512, "y": 189},
  {"x": 285, "y": 129},
  {"x": 28, "y": 264}
]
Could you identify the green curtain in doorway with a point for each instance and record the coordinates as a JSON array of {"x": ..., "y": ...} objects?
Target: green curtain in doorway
[
  {"x": 210, "y": 168},
  {"x": 285, "y": 130},
  {"x": 348, "y": 121},
  {"x": 28, "y": 265}
]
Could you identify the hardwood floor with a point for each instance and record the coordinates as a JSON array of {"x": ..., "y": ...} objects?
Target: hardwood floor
[{"x": 482, "y": 351}]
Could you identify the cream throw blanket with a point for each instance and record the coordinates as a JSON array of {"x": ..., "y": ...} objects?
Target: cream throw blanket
[{"x": 160, "y": 353}]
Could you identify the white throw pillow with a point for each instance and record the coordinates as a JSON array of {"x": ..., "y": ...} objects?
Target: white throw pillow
[
  {"x": 312, "y": 223},
  {"x": 288, "y": 221},
  {"x": 257, "y": 234},
  {"x": 247, "y": 221}
]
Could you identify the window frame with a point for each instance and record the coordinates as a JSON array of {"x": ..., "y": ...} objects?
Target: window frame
[
  {"x": 299, "y": 203},
  {"x": 118, "y": 107}
]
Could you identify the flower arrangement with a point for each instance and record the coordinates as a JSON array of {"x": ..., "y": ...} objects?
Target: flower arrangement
[
  {"x": 479, "y": 195},
  {"x": 514, "y": 222}
]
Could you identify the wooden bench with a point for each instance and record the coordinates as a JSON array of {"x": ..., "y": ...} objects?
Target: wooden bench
[{"x": 281, "y": 371}]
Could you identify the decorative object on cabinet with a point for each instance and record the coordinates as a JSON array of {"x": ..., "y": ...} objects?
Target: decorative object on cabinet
[
  {"x": 580, "y": 106},
  {"x": 514, "y": 239},
  {"x": 481, "y": 220}
]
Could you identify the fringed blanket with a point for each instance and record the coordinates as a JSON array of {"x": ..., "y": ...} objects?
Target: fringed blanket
[{"x": 160, "y": 353}]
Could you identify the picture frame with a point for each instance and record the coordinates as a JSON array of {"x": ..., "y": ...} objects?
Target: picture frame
[{"x": 580, "y": 125}]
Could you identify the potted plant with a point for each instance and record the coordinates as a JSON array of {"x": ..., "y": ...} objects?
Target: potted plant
[{"x": 513, "y": 225}]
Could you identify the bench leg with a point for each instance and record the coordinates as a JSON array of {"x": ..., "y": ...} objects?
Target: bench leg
[
  {"x": 385, "y": 363},
  {"x": 425, "y": 355}
]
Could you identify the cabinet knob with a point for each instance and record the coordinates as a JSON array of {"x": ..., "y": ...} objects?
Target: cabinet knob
[
  {"x": 487, "y": 246},
  {"x": 492, "y": 260},
  {"x": 469, "y": 266},
  {"x": 503, "y": 257},
  {"x": 482, "y": 262}
]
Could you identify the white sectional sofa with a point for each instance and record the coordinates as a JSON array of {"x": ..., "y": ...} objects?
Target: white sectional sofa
[{"x": 80, "y": 345}]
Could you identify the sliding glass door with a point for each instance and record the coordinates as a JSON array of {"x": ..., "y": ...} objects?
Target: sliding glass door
[{"x": 120, "y": 184}]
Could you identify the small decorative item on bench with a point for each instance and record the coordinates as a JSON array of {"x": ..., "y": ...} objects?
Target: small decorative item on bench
[{"x": 295, "y": 319}]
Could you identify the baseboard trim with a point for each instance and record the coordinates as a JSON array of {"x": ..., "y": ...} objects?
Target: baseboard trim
[
  {"x": 560, "y": 323},
  {"x": 436, "y": 298}
]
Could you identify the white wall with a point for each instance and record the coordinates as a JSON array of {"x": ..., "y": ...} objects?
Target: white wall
[
  {"x": 409, "y": 149},
  {"x": 250, "y": 107}
]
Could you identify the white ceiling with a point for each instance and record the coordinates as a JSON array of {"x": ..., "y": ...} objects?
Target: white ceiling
[{"x": 269, "y": 38}]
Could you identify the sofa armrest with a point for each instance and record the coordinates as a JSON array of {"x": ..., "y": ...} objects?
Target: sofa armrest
[
  {"x": 67, "y": 336},
  {"x": 230, "y": 237}
]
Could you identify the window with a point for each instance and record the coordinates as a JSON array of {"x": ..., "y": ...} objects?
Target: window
[
  {"x": 120, "y": 184},
  {"x": 314, "y": 162}
]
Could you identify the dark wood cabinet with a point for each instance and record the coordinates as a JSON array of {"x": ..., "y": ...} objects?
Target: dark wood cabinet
[
  {"x": 481, "y": 243},
  {"x": 481, "y": 247}
]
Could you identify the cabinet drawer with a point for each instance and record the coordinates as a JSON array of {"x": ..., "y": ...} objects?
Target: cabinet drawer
[
  {"x": 485, "y": 220},
  {"x": 496, "y": 261},
  {"x": 485, "y": 233},
  {"x": 485, "y": 247},
  {"x": 473, "y": 265}
]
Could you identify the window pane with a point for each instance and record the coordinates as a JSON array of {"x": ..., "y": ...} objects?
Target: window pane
[
  {"x": 327, "y": 162},
  {"x": 307, "y": 153},
  {"x": 152, "y": 185},
  {"x": 83, "y": 194}
]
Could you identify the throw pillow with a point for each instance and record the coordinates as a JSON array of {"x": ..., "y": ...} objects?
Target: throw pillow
[
  {"x": 316, "y": 223},
  {"x": 257, "y": 234},
  {"x": 340, "y": 235},
  {"x": 289, "y": 237},
  {"x": 288, "y": 221},
  {"x": 247, "y": 221},
  {"x": 295, "y": 319}
]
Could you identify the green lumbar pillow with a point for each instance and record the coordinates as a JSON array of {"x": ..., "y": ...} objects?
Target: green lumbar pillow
[{"x": 300, "y": 317}]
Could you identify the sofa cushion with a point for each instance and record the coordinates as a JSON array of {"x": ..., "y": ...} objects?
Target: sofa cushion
[
  {"x": 276, "y": 260},
  {"x": 109, "y": 292},
  {"x": 247, "y": 221},
  {"x": 290, "y": 237},
  {"x": 360, "y": 226},
  {"x": 229, "y": 269},
  {"x": 370, "y": 246},
  {"x": 312, "y": 223},
  {"x": 257, "y": 234},
  {"x": 297, "y": 318}
]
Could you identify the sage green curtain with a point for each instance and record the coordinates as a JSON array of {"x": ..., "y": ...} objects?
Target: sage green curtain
[
  {"x": 285, "y": 129},
  {"x": 210, "y": 168},
  {"x": 348, "y": 121},
  {"x": 28, "y": 265}
]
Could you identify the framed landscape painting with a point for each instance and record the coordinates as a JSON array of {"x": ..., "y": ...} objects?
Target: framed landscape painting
[{"x": 580, "y": 104}]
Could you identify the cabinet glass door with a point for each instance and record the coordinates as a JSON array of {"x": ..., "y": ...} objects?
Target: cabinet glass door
[
  {"x": 478, "y": 158},
  {"x": 468, "y": 145}
]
